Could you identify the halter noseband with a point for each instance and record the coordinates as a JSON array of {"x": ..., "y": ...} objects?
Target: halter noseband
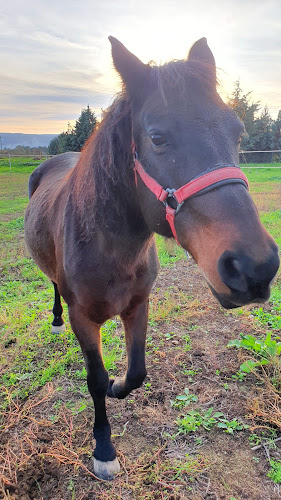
[{"x": 219, "y": 175}]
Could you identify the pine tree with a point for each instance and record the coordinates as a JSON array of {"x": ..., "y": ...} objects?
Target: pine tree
[
  {"x": 84, "y": 127},
  {"x": 276, "y": 132},
  {"x": 54, "y": 146},
  {"x": 75, "y": 137},
  {"x": 262, "y": 133},
  {"x": 246, "y": 111}
]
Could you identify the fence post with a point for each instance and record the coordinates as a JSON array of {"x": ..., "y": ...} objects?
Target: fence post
[{"x": 10, "y": 163}]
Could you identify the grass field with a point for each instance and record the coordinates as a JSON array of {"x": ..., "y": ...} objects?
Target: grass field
[{"x": 46, "y": 413}]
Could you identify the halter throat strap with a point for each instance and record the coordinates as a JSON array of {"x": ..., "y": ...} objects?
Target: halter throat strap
[{"x": 219, "y": 175}]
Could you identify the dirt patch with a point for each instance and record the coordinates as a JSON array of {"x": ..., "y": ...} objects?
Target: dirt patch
[{"x": 45, "y": 452}]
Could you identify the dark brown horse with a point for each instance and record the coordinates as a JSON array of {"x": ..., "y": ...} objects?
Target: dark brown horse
[{"x": 90, "y": 221}]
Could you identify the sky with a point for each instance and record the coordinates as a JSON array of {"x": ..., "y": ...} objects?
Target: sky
[{"x": 55, "y": 57}]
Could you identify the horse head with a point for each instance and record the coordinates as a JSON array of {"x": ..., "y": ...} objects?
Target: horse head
[{"x": 182, "y": 129}]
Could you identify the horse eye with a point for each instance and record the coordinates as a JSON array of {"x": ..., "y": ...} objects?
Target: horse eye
[{"x": 158, "y": 139}]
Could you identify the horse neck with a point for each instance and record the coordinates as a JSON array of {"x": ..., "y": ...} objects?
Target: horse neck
[{"x": 107, "y": 202}]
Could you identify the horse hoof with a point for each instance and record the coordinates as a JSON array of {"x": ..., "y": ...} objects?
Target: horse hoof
[
  {"x": 110, "y": 392},
  {"x": 58, "y": 329},
  {"x": 106, "y": 470},
  {"x": 117, "y": 389}
]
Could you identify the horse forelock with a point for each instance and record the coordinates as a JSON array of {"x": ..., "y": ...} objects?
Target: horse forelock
[{"x": 182, "y": 76}]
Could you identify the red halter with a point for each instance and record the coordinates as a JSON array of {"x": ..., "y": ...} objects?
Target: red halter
[{"x": 217, "y": 176}]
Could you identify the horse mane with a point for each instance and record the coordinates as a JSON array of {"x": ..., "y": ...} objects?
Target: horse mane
[
  {"x": 104, "y": 163},
  {"x": 104, "y": 178}
]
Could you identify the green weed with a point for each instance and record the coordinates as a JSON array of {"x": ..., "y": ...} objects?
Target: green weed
[
  {"x": 271, "y": 320},
  {"x": 229, "y": 426},
  {"x": 264, "y": 351},
  {"x": 194, "y": 419},
  {"x": 184, "y": 400},
  {"x": 275, "y": 471}
]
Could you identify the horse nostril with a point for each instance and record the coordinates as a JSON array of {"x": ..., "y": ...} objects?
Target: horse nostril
[
  {"x": 232, "y": 267},
  {"x": 241, "y": 273},
  {"x": 231, "y": 272}
]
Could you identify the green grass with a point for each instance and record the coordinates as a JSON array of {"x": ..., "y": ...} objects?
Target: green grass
[
  {"x": 262, "y": 173},
  {"x": 168, "y": 251},
  {"x": 19, "y": 165},
  {"x": 272, "y": 222}
]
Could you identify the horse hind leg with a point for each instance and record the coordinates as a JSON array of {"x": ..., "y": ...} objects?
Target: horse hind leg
[{"x": 58, "y": 325}]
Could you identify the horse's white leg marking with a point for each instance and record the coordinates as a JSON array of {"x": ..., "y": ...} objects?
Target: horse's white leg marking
[
  {"x": 58, "y": 329},
  {"x": 106, "y": 470}
]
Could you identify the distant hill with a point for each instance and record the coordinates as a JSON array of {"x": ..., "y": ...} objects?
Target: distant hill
[{"x": 10, "y": 140}]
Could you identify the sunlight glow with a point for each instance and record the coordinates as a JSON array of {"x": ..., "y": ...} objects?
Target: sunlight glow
[{"x": 63, "y": 61}]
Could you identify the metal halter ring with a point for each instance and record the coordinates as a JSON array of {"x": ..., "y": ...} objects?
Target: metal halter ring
[{"x": 170, "y": 194}]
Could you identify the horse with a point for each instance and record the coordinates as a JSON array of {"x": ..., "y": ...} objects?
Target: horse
[{"x": 164, "y": 160}]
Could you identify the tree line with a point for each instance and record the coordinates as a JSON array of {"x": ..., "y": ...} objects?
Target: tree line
[
  {"x": 262, "y": 132},
  {"x": 25, "y": 150}
]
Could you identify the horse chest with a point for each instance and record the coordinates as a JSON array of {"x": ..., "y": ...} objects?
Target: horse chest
[{"x": 106, "y": 291}]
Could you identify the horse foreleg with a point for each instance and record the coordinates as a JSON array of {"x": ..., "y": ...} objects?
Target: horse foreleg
[
  {"x": 106, "y": 465},
  {"x": 58, "y": 325},
  {"x": 135, "y": 323}
]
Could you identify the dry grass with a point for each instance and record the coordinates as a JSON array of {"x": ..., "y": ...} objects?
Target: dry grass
[{"x": 36, "y": 444}]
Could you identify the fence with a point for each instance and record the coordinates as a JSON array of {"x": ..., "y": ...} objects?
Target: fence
[
  {"x": 245, "y": 157},
  {"x": 273, "y": 156},
  {"x": 35, "y": 157}
]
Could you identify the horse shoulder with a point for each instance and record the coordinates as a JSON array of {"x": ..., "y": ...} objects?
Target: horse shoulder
[{"x": 106, "y": 280}]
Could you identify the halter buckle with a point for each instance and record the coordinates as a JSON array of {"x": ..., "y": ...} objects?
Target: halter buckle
[{"x": 170, "y": 194}]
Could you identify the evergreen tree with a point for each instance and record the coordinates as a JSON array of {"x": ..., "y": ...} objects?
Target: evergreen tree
[
  {"x": 75, "y": 137},
  {"x": 276, "y": 132},
  {"x": 54, "y": 146},
  {"x": 84, "y": 127},
  {"x": 246, "y": 111},
  {"x": 262, "y": 132}
]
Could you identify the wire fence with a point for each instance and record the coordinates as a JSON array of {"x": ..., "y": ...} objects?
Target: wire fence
[
  {"x": 27, "y": 160},
  {"x": 273, "y": 156},
  {"x": 246, "y": 159}
]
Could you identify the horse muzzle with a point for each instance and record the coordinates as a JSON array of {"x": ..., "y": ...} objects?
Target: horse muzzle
[{"x": 247, "y": 281}]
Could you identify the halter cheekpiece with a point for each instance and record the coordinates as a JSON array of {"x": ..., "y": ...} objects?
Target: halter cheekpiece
[{"x": 219, "y": 175}]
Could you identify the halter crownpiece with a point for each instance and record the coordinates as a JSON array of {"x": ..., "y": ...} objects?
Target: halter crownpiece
[{"x": 219, "y": 175}]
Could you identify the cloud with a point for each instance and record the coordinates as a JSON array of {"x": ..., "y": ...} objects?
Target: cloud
[{"x": 55, "y": 55}]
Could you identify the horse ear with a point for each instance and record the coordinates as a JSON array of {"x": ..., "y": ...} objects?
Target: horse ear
[
  {"x": 132, "y": 71},
  {"x": 201, "y": 51}
]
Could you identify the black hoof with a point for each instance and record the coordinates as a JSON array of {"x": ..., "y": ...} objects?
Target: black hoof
[{"x": 117, "y": 389}]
